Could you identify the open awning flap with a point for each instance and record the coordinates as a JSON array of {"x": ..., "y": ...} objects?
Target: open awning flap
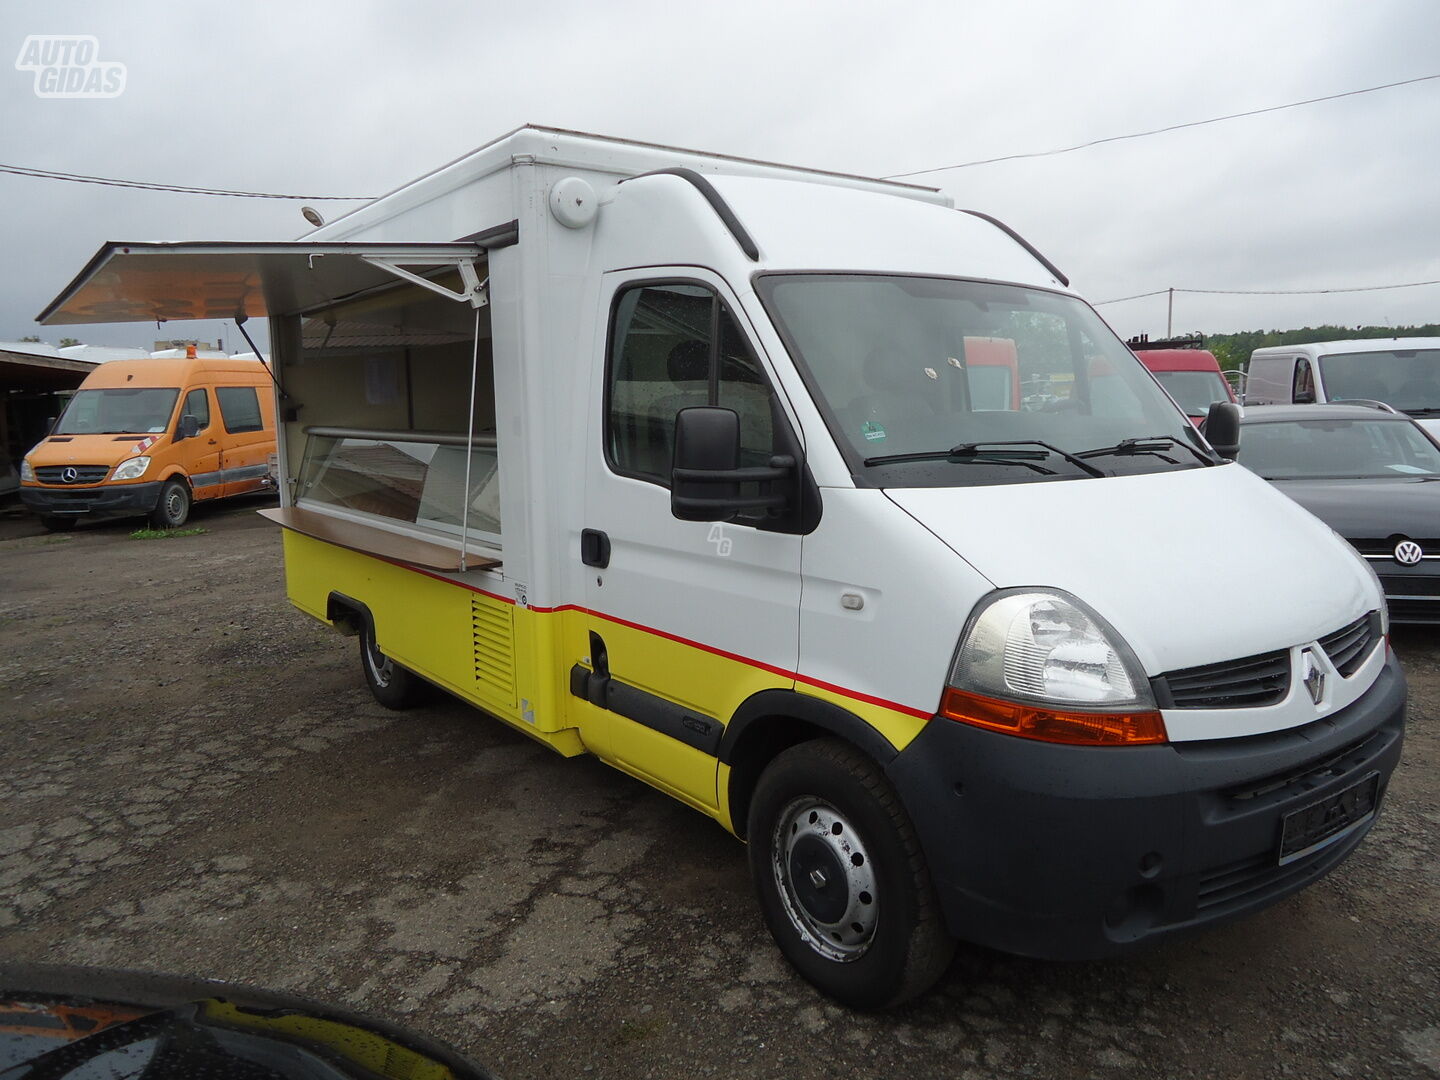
[{"x": 149, "y": 282}]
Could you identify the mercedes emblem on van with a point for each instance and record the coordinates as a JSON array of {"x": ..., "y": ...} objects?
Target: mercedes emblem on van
[
  {"x": 1408, "y": 553},
  {"x": 69, "y": 474}
]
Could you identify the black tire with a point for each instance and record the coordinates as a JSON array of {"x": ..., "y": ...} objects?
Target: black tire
[
  {"x": 57, "y": 524},
  {"x": 172, "y": 509},
  {"x": 392, "y": 685},
  {"x": 825, "y": 808}
]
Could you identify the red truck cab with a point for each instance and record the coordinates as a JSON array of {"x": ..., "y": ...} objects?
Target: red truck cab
[{"x": 1190, "y": 374}]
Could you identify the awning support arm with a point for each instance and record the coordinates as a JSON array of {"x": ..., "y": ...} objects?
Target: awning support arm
[{"x": 475, "y": 292}]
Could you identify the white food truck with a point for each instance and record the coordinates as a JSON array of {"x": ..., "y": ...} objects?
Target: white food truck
[{"x": 678, "y": 459}]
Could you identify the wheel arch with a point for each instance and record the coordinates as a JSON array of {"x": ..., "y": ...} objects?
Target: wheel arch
[
  {"x": 348, "y": 615},
  {"x": 772, "y": 721}
]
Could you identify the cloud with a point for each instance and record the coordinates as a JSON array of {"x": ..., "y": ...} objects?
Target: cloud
[{"x": 357, "y": 98}]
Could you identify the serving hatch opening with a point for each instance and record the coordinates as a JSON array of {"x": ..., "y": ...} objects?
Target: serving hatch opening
[{"x": 383, "y": 359}]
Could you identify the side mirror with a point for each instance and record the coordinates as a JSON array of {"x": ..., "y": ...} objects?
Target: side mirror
[
  {"x": 189, "y": 427},
  {"x": 1222, "y": 428},
  {"x": 705, "y": 477},
  {"x": 50, "y": 422}
]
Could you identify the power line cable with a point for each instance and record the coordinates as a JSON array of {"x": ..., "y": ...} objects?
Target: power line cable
[
  {"x": 182, "y": 189},
  {"x": 143, "y": 185},
  {"x": 1270, "y": 292},
  {"x": 1162, "y": 130}
]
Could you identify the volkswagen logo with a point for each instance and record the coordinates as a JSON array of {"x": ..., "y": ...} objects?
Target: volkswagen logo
[
  {"x": 1408, "y": 553},
  {"x": 70, "y": 474}
]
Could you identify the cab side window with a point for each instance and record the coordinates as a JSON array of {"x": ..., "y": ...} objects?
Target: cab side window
[
  {"x": 239, "y": 408},
  {"x": 198, "y": 406},
  {"x": 673, "y": 346},
  {"x": 1304, "y": 392}
]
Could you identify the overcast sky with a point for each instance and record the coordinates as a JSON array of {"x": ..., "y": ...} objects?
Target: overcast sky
[{"x": 359, "y": 97}]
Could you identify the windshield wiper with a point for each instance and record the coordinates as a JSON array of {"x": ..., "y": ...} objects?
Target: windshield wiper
[
  {"x": 1149, "y": 444},
  {"x": 982, "y": 451}
]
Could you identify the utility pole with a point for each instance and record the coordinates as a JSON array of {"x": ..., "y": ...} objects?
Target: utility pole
[{"x": 1170, "y": 315}]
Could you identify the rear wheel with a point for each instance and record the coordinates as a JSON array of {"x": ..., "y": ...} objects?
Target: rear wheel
[
  {"x": 173, "y": 509},
  {"x": 392, "y": 685},
  {"x": 841, "y": 878}
]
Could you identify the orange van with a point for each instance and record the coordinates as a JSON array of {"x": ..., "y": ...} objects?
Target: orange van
[{"x": 153, "y": 437}]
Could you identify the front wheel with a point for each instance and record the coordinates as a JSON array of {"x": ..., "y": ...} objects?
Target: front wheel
[
  {"x": 173, "y": 509},
  {"x": 392, "y": 685},
  {"x": 841, "y": 878}
]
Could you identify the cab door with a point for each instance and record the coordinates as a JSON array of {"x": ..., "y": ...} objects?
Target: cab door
[
  {"x": 200, "y": 456},
  {"x": 246, "y": 444},
  {"x": 686, "y": 619}
]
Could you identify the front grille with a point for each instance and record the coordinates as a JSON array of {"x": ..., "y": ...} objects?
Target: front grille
[
  {"x": 1348, "y": 647},
  {"x": 1385, "y": 546},
  {"x": 1410, "y": 584},
  {"x": 1247, "y": 683},
  {"x": 84, "y": 474},
  {"x": 1241, "y": 883},
  {"x": 1303, "y": 778}
]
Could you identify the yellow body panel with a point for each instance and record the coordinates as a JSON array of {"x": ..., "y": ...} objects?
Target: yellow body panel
[
  {"x": 429, "y": 626},
  {"x": 515, "y": 662},
  {"x": 897, "y": 727},
  {"x": 371, "y": 1050}
]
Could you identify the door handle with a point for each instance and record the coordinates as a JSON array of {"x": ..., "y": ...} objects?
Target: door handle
[{"x": 594, "y": 548}]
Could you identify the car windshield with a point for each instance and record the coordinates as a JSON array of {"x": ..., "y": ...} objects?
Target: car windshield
[
  {"x": 1408, "y": 379},
  {"x": 1194, "y": 391},
  {"x": 1352, "y": 449},
  {"x": 910, "y": 369},
  {"x": 120, "y": 411}
]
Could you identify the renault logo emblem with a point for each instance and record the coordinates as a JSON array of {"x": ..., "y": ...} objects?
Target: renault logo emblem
[
  {"x": 70, "y": 474},
  {"x": 1408, "y": 553},
  {"x": 1312, "y": 676}
]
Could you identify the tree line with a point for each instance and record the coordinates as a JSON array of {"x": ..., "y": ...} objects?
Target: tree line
[{"x": 1232, "y": 350}]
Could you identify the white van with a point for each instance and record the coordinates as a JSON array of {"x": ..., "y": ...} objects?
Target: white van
[
  {"x": 1402, "y": 372},
  {"x": 675, "y": 459}
]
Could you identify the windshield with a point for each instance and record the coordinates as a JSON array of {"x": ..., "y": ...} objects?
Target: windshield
[
  {"x": 1194, "y": 391},
  {"x": 1315, "y": 449},
  {"x": 119, "y": 411},
  {"x": 911, "y": 367},
  {"x": 1408, "y": 379}
]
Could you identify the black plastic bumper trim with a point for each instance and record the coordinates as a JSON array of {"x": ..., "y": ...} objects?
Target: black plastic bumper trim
[{"x": 1070, "y": 853}]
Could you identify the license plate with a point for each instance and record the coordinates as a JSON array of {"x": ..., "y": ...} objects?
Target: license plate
[{"x": 1313, "y": 827}]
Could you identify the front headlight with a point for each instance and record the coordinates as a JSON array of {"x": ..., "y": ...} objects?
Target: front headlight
[
  {"x": 1040, "y": 664},
  {"x": 27, "y": 471},
  {"x": 132, "y": 469}
]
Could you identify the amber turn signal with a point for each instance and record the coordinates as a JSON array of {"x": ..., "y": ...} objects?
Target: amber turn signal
[{"x": 1054, "y": 725}]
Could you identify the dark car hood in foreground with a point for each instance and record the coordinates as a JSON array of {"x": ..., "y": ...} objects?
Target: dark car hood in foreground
[
  {"x": 1378, "y": 508},
  {"x": 59, "y": 1022}
]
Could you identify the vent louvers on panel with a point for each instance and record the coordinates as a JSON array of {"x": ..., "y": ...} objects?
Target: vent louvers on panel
[
  {"x": 492, "y": 630},
  {"x": 1250, "y": 682}
]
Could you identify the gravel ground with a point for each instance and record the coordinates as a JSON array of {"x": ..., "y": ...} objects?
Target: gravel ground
[{"x": 194, "y": 779}]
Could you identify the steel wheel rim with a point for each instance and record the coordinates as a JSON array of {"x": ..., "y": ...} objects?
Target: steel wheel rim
[
  {"x": 382, "y": 668},
  {"x": 825, "y": 878},
  {"x": 174, "y": 505}
]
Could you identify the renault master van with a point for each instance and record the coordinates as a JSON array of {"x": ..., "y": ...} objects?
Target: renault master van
[
  {"x": 697, "y": 464},
  {"x": 152, "y": 437}
]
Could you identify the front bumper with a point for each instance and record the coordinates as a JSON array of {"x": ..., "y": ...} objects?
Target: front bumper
[
  {"x": 1071, "y": 853},
  {"x": 103, "y": 500}
]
